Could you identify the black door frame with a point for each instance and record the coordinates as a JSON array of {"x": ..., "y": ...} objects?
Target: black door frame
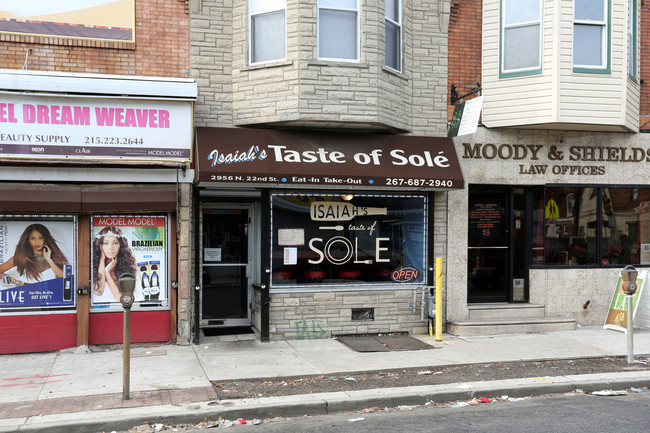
[{"x": 510, "y": 221}]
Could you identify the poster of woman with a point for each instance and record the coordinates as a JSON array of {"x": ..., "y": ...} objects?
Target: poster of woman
[
  {"x": 37, "y": 262},
  {"x": 129, "y": 244}
]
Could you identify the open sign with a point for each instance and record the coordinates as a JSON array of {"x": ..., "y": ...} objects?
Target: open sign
[{"x": 405, "y": 274}]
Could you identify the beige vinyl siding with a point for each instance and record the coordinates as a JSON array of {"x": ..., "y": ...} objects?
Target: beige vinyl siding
[
  {"x": 518, "y": 100},
  {"x": 633, "y": 90},
  {"x": 560, "y": 97},
  {"x": 594, "y": 98}
]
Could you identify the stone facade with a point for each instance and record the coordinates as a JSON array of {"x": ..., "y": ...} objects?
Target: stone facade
[
  {"x": 563, "y": 292},
  {"x": 302, "y": 91},
  {"x": 328, "y": 314}
]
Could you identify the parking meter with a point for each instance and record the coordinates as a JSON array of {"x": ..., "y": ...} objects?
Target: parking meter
[
  {"x": 126, "y": 283},
  {"x": 628, "y": 275}
]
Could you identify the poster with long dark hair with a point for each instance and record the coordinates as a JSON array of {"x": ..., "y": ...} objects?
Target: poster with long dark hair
[
  {"x": 37, "y": 262},
  {"x": 126, "y": 244}
]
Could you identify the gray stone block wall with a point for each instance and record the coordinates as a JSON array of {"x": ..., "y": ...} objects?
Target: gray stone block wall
[
  {"x": 328, "y": 314},
  {"x": 309, "y": 92}
]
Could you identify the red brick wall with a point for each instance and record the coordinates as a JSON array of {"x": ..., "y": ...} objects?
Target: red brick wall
[
  {"x": 161, "y": 48},
  {"x": 464, "y": 46},
  {"x": 644, "y": 64}
]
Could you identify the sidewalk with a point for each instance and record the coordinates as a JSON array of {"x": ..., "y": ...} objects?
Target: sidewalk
[{"x": 77, "y": 391}]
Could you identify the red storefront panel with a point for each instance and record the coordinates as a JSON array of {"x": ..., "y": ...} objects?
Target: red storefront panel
[
  {"x": 146, "y": 326},
  {"x": 37, "y": 333}
]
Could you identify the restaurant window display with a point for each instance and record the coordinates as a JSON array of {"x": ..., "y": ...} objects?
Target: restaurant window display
[
  {"x": 592, "y": 226},
  {"x": 37, "y": 262},
  {"x": 136, "y": 245},
  {"x": 361, "y": 239}
]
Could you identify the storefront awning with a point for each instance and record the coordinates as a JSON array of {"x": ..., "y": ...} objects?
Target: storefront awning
[{"x": 276, "y": 159}]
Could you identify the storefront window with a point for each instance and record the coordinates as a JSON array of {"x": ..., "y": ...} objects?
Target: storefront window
[
  {"x": 37, "y": 262},
  {"x": 126, "y": 244},
  {"x": 327, "y": 238},
  {"x": 593, "y": 226}
]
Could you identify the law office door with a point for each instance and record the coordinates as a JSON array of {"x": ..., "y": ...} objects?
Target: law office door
[
  {"x": 226, "y": 266},
  {"x": 497, "y": 268}
]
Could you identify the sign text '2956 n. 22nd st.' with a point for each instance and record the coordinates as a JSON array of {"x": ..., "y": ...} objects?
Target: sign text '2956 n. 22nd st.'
[{"x": 303, "y": 158}]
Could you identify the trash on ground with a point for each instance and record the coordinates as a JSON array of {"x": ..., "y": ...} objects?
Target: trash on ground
[
  {"x": 517, "y": 398},
  {"x": 351, "y": 379},
  {"x": 633, "y": 389},
  {"x": 405, "y": 407},
  {"x": 464, "y": 386},
  {"x": 356, "y": 419},
  {"x": 609, "y": 392},
  {"x": 371, "y": 409},
  {"x": 459, "y": 404},
  {"x": 485, "y": 400}
]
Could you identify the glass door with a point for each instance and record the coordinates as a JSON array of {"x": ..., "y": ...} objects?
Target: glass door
[
  {"x": 497, "y": 269},
  {"x": 487, "y": 246},
  {"x": 226, "y": 266}
]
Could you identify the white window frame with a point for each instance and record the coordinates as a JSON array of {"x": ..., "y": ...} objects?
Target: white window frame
[
  {"x": 337, "y": 5},
  {"x": 261, "y": 7},
  {"x": 505, "y": 26},
  {"x": 398, "y": 25},
  {"x": 632, "y": 61},
  {"x": 604, "y": 25}
]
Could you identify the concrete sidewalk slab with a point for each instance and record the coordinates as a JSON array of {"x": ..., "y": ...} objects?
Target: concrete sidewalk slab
[
  {"x": 72, "y": 391},
  {"x": 22, "y": 377}
]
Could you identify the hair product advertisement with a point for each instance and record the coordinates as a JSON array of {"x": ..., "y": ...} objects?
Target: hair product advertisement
[
  {"x": 135, "y": 245},
  {"x": 37, "y": 262}
]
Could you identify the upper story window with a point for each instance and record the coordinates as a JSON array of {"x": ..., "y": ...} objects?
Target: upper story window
[
  {"x": 394, "y": 34},
  {"x": 590, "y": 34},
  {"x": 631, "y": 39},
  {"x": 267, "y": 30},
  {"x": 521, "y": 36},
  {"x": 338, "y": 30}
]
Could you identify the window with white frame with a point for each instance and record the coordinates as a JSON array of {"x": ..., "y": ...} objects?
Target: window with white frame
[
  {"x": 631, "y": 39},
  {"x": 521, "y": 35},
  {"x": 338, "y": 29},
  {"x": 590, "y": 34},
  {"x": 394, "y": 34},
  {"x": 267, "y": 30}
]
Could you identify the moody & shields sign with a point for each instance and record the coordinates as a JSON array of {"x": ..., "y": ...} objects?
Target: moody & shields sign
[{"x": 283, "y": 158}]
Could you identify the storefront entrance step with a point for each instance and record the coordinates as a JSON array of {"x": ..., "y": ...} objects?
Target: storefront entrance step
[
  {"x": 522, "y": 325},
  {"x": 503, "y": 310},
  {"x": 383, "y": 343}
]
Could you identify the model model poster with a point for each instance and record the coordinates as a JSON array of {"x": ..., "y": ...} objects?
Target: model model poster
[
  {"x": 37, "y": 262},
  {"x": 617, "y": 316},
  {"x": 129, "y": 244}
]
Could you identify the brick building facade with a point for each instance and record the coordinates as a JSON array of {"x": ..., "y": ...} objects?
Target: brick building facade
[{"x": 89, "y": 172}]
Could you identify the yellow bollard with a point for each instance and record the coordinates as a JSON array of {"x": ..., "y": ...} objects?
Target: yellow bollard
[{"x": 439, "y": 299}]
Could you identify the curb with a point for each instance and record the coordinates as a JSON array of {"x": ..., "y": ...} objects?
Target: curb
[{"x": 320, "y": 404}]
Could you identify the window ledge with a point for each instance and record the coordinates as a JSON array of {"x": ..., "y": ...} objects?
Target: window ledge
[
  {"x": 394, "y": 72},
  {"x": 274, "y": 64},
  {"x": 339, "y": 64}
]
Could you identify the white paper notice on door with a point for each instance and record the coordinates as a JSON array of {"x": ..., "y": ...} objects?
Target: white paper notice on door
[
  {"x": 291, "y": 237},
  {"x": 290, "y": 256},
  {"x": 212, "y": 254}
]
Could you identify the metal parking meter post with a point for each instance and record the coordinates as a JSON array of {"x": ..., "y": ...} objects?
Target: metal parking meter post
[
  {"x": 629, "y": 287},
  {"x": 630, "y": 330},
  {"x": 126, "y": 283}
]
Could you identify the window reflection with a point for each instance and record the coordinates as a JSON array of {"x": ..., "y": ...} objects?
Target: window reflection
[
  {"x": 591, "y": 226},
  {"x": 324, "y": 239}
]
